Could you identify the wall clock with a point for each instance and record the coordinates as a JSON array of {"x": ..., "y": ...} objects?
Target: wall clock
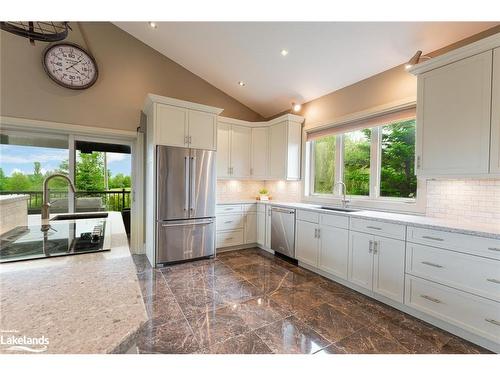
[{"x": 70, "y": 65}]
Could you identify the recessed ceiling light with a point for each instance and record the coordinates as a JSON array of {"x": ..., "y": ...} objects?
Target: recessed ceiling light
[
  {"x": 296, "y": 107},
  {"x": 153, "y": 25},
  {"x": 241, "y": 83},
  {"x": 284, "y": 52}
]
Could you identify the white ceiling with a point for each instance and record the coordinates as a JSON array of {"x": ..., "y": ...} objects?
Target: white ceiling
[{"x": 323, "y": 57}]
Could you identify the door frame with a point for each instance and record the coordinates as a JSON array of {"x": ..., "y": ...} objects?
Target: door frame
[{"x": 104, "y": 135}]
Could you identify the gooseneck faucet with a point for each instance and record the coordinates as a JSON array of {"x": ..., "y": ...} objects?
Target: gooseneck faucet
[
  {"x": 344, "y": 188},
  {"x": 46, "y": 198}
]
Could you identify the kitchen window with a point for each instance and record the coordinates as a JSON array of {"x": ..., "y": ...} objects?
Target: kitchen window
[{"x": 373, "y": 157}]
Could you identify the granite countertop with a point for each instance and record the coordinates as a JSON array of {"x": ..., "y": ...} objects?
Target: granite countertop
[
  {"x": 421, "y": 221},
  {"x": 88, "y": 303}
]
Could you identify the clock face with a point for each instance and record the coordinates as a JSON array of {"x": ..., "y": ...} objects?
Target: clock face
[{"x": 70, "y": 66}]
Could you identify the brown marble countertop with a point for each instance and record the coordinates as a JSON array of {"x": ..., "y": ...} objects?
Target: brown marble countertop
[{"x": 88, "y": 303}]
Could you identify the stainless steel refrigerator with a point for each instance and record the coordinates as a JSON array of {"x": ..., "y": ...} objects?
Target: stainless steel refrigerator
[{"x": 185, "y": 204}]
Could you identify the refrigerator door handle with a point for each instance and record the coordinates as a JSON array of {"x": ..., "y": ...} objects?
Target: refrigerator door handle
[
  {"x": 186, "y": 183},
  {"x": 193, "y": 182},
  {"x": 206, "y": 222}
]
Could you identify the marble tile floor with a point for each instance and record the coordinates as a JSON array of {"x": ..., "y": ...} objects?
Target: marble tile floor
[{"x": 251, "y": 302}]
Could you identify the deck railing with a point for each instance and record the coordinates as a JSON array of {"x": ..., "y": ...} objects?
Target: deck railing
[{"x": 110, "y": 200}]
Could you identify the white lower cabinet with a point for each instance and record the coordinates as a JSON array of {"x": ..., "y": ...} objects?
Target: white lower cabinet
[
  {"x": 377, "y": 263},
  {"x": 333, "y": 250},
  {"x": 251, "y": 227},
  {"x": 261, "y": 228},
  {"x": 307, "y": 243},
  {"x": 267, "y": 239},
  {"x": 322, "y": 246}
]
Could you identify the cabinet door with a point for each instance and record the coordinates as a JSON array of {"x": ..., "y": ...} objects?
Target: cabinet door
[
  {"x": 261, "y": 228},
  {"x": 202, "y": 130},
  {"x": 240, "y": 151},
  {"x": 277, "y": 151},
  {"x": 453, "y": 118},
  {"x": 333, "y": 250},
  {"x": 171, "y": 125},
  {"x": 389, "y": 268},
  {"x": 251, "y": 227},
  {"x": 360, "y": 268},
  {"x": 268, "y": 227},
  {"x": 495, "y": 115},
  {"x": 306, "y": 247},
  {"x": 223, "y": 142},
  {"x": 260, "y": 153}
]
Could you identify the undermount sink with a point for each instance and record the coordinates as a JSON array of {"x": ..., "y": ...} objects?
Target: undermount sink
[
  {"x": 338, "y": 209},
  {"x": 83, "y": 215}
]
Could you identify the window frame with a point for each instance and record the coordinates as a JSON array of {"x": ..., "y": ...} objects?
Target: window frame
[{"x": 374, "y": 199}]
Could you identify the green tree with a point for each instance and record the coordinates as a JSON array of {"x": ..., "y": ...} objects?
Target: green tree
[
  {"x": 357, "y": 146},
  {"x": 90, "y": 171},
  {"x": 3, "y": 180},
  {"x": 120, "y": 181},
  {"x": 324, "y": 164},
  {"x": 18, "y": 181},
  {"x": 37, "y": 177}
]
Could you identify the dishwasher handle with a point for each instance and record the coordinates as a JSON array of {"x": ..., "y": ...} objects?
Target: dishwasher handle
[{"x": 283, "y": 210}]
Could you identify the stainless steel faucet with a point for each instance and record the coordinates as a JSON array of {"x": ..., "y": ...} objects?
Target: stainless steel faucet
[
  {"x": 344, "y": 188},
  {"x": 46, "y": 198}
]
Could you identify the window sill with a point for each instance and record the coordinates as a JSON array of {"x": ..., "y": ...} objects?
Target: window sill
[{"x": 381, "y": 204}]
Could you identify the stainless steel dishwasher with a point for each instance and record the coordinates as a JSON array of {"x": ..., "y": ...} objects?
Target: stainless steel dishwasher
[{"x": 283, "y": 231}]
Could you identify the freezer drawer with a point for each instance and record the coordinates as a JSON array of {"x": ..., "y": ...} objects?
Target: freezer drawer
[{"x": 184, "y": 239}]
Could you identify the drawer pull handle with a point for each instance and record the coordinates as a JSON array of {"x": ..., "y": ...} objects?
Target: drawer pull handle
[
  {"x": 494, "y": 248},
  {"x": 493, "y": 281},
  {"x": 493, "y": 321},
  {"x": 228, "y": 222},
  {"x": 229, "y": 238},
  {"x": 432, "y": 264},
  {"x": 370, "y": 246},
  {"x": 372, "y": 227},
  {"x": 435, "y": 300},
  {"x": 432, "y": 238}
]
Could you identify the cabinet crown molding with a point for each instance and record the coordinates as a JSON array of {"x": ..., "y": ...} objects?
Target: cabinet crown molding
[
  {"x": 286, "y": 117},
  {"x": 468, "y": 50},
  {"x": 153, "y": 98}
]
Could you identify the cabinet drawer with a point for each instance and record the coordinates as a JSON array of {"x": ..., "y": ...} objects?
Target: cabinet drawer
[
  {"x": 481, "y": 246},
  {"x": 227, "y": 208},
  {"x": 312, "y": 217},
  {"x": 472, "y": 313},
  {"x": 249, "y": 207},
  {"x": 230, "y": 222},
  {"x": 229, "y": 238},
  {"x": 462, "y": 271},
  {"x": 334, "y": 220},
  {"x": 379, "y": 228}
]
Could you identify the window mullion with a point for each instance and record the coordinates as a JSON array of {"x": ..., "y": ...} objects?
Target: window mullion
[
  {"x": 339, "y": 160},
  {"x": 375, "y": 164}
]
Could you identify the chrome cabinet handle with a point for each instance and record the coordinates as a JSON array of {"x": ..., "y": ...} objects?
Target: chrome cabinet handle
[
  {"x": 435, "y": 300},
  {"x": 319, "y": 233},
  {"x": 432, "y": 238},
  {"x": 418, "y": 162},
  {"x": 493, "y": 281},
  {"x": 493, "y": 321},
  {"x": 375, "y": 247},
  {"x": 372, "y": 227},
  {"x": 229, "y": 238},
  {"x": 228, "y": 222},
  {"x": 494, "y": 248},
  {"x": 432, "y": 264},
  {"x": 315, "y": 233},
  {"x": 370, "y": 246},
  {"x": 189, "y": 139}
]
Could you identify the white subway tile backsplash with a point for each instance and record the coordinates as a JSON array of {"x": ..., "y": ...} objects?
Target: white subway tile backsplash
[
  {"x": 475, "y": 201},
  {"x": 234, "y": 190}
]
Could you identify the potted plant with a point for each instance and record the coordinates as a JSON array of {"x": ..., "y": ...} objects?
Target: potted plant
[{"x": 264, "y": 194}]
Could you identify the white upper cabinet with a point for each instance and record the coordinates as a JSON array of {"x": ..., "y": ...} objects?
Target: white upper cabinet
[
  {"x": 458, "y": 115},
  {"x": 453, "y": 114},
  {"x": 223, "y": 150},
  {"x": 240, "y": 151},
  {"x": 495, "y": 115},
  {"x": 173, "y": 122},
  {"x": 202, "y": 130},
  {"x": 263, "y": 150},
  {"x": 260, "y": 152},
  {"x": 171, "y": 125}
]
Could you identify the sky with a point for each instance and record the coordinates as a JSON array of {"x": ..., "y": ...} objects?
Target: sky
[{"x": 21, "y": 158}]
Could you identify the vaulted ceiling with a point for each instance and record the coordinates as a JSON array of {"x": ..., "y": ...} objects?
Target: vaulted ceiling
[{"x": 322, "y": 57}]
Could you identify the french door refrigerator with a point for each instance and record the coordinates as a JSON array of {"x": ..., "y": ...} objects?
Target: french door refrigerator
[{"x": 185, "y": 204}]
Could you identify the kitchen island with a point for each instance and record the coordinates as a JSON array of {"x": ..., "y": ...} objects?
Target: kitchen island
[{"x": 86, "y": 303}]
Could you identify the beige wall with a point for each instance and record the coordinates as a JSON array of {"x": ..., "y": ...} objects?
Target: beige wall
[
  {"x": 391, "y": 86},
  {"x": 128, "y": 70}
]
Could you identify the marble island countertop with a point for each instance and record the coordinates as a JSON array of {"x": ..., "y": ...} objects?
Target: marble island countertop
[
  {"x": 484, "y": 230},
  {"x": 86, "y": 303}
]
